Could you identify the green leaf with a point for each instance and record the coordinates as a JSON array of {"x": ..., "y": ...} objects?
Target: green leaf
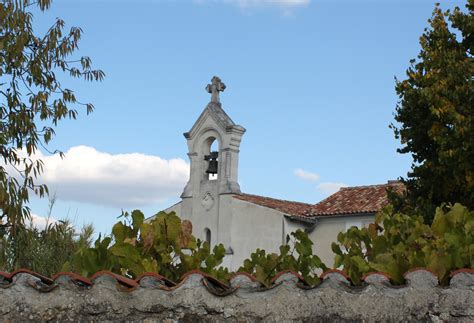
[
  {"x": 137, "y": 220},
  {"x": 119, "y": 232}
]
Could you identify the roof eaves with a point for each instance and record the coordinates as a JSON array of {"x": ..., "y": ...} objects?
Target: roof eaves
[
  {"x": 341, "y": 215},
  {"x": 302, "y": 218},
  {"x": 249, "y": 198}
]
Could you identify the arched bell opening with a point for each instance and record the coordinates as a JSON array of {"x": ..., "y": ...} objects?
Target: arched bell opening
[
  {"x": 211, "y": 157},
  {"x": 213, "y": 167}
]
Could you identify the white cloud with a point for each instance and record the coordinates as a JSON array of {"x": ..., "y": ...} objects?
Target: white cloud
[
  {"x": 326, "y": 188},
  {"x": 39, "y": 221},
  {"x": 120, "y": 180},
  {"x": 329, "y": 187},
  {"x": 307, "y": 176}
]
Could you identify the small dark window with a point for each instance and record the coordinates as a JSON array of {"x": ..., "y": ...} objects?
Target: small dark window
[{"x": 208, "y": 236}]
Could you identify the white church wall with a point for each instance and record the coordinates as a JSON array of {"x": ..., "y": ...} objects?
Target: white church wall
[
  {"x": 253, "y": 227},
  {"x": 326, "y": 232},
  {"x": 292, "y": 226}
]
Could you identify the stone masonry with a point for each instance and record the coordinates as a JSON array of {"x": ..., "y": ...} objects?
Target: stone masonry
[{"x": 151, "y": 298}]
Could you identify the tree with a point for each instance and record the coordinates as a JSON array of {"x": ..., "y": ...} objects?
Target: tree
[
  {"x": 32, "y": 99},
  {"x": 435, "y": 113}
]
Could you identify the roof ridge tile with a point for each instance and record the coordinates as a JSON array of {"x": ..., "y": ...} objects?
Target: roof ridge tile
[{"x": 272, "y": 198}]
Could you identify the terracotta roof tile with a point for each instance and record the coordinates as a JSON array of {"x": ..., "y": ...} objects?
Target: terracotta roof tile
[
  {"x": 105, "y": 300},
  {"x": 357, "y": 199},
  {"x": 127, "y": 282},
  {"x": 348, "y": 200},
  {"x": 287, "y": 207},
  {"x": 9, "y": 276},
  {"x": 187, "y": 278},
  {"x": 77, "y": 279}
]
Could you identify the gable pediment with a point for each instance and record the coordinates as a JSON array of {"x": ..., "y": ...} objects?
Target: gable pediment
[{"x": 214, "y": 112}]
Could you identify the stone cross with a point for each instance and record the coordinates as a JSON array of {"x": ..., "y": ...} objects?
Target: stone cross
[{"x": 214, "y": 88}]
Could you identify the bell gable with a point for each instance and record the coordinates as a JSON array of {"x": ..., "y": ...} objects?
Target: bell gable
[
  {"x": 213, "y": 116},
  {"x": 213, "y": 127}
]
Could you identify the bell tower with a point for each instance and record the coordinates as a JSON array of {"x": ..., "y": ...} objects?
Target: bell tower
[{"x": 207, "y": 197}]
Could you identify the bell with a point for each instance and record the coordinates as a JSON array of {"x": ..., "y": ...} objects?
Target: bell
[
  {"x": 213, "y": 163},
  {"x": 212, "y": 169}
]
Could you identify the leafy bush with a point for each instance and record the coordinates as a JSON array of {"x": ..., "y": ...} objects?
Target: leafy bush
[
  {"x": 164, "y": 245},
  {"x": 296, "y": 255},
  {"x": 398, "y": 242},
  {"x": 43, "y": 251}
]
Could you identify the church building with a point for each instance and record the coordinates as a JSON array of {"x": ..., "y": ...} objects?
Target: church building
[{"x": 221, "y": 213}]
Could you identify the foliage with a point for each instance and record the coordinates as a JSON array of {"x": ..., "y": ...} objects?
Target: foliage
[
  {"x": 435, "y": 113},
  {"x": 33, "y": 99},
  {"x": 164, "y": 245},
  {"x": 398, "y": 242},
  {"x": 296, "y": 255},
  {"x": 43, "y": 251}
]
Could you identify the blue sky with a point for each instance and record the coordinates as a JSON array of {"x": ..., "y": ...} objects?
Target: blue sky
[{"x": 311, "y": 81}]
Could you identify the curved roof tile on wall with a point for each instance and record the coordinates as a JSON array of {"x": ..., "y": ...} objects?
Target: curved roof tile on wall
[{"x": 108, "y": 297}]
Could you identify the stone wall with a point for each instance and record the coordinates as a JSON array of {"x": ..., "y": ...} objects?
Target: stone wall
[{"x": 108, "y": 297}]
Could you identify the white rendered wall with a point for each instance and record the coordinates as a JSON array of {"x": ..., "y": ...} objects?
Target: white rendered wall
[
  {"x": 326, "y": 233},
  {"x": 253, "y": 227}
]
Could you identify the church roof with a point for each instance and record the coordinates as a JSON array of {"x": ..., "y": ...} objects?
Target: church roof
[
  {"x": 347, "y": 201},
  {"x": 355, "y": 200},
  {"x": 288, "y": 207}
]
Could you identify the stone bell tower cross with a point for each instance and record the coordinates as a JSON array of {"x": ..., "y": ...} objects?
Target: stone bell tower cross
[{"x": 207, "y": 197}]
